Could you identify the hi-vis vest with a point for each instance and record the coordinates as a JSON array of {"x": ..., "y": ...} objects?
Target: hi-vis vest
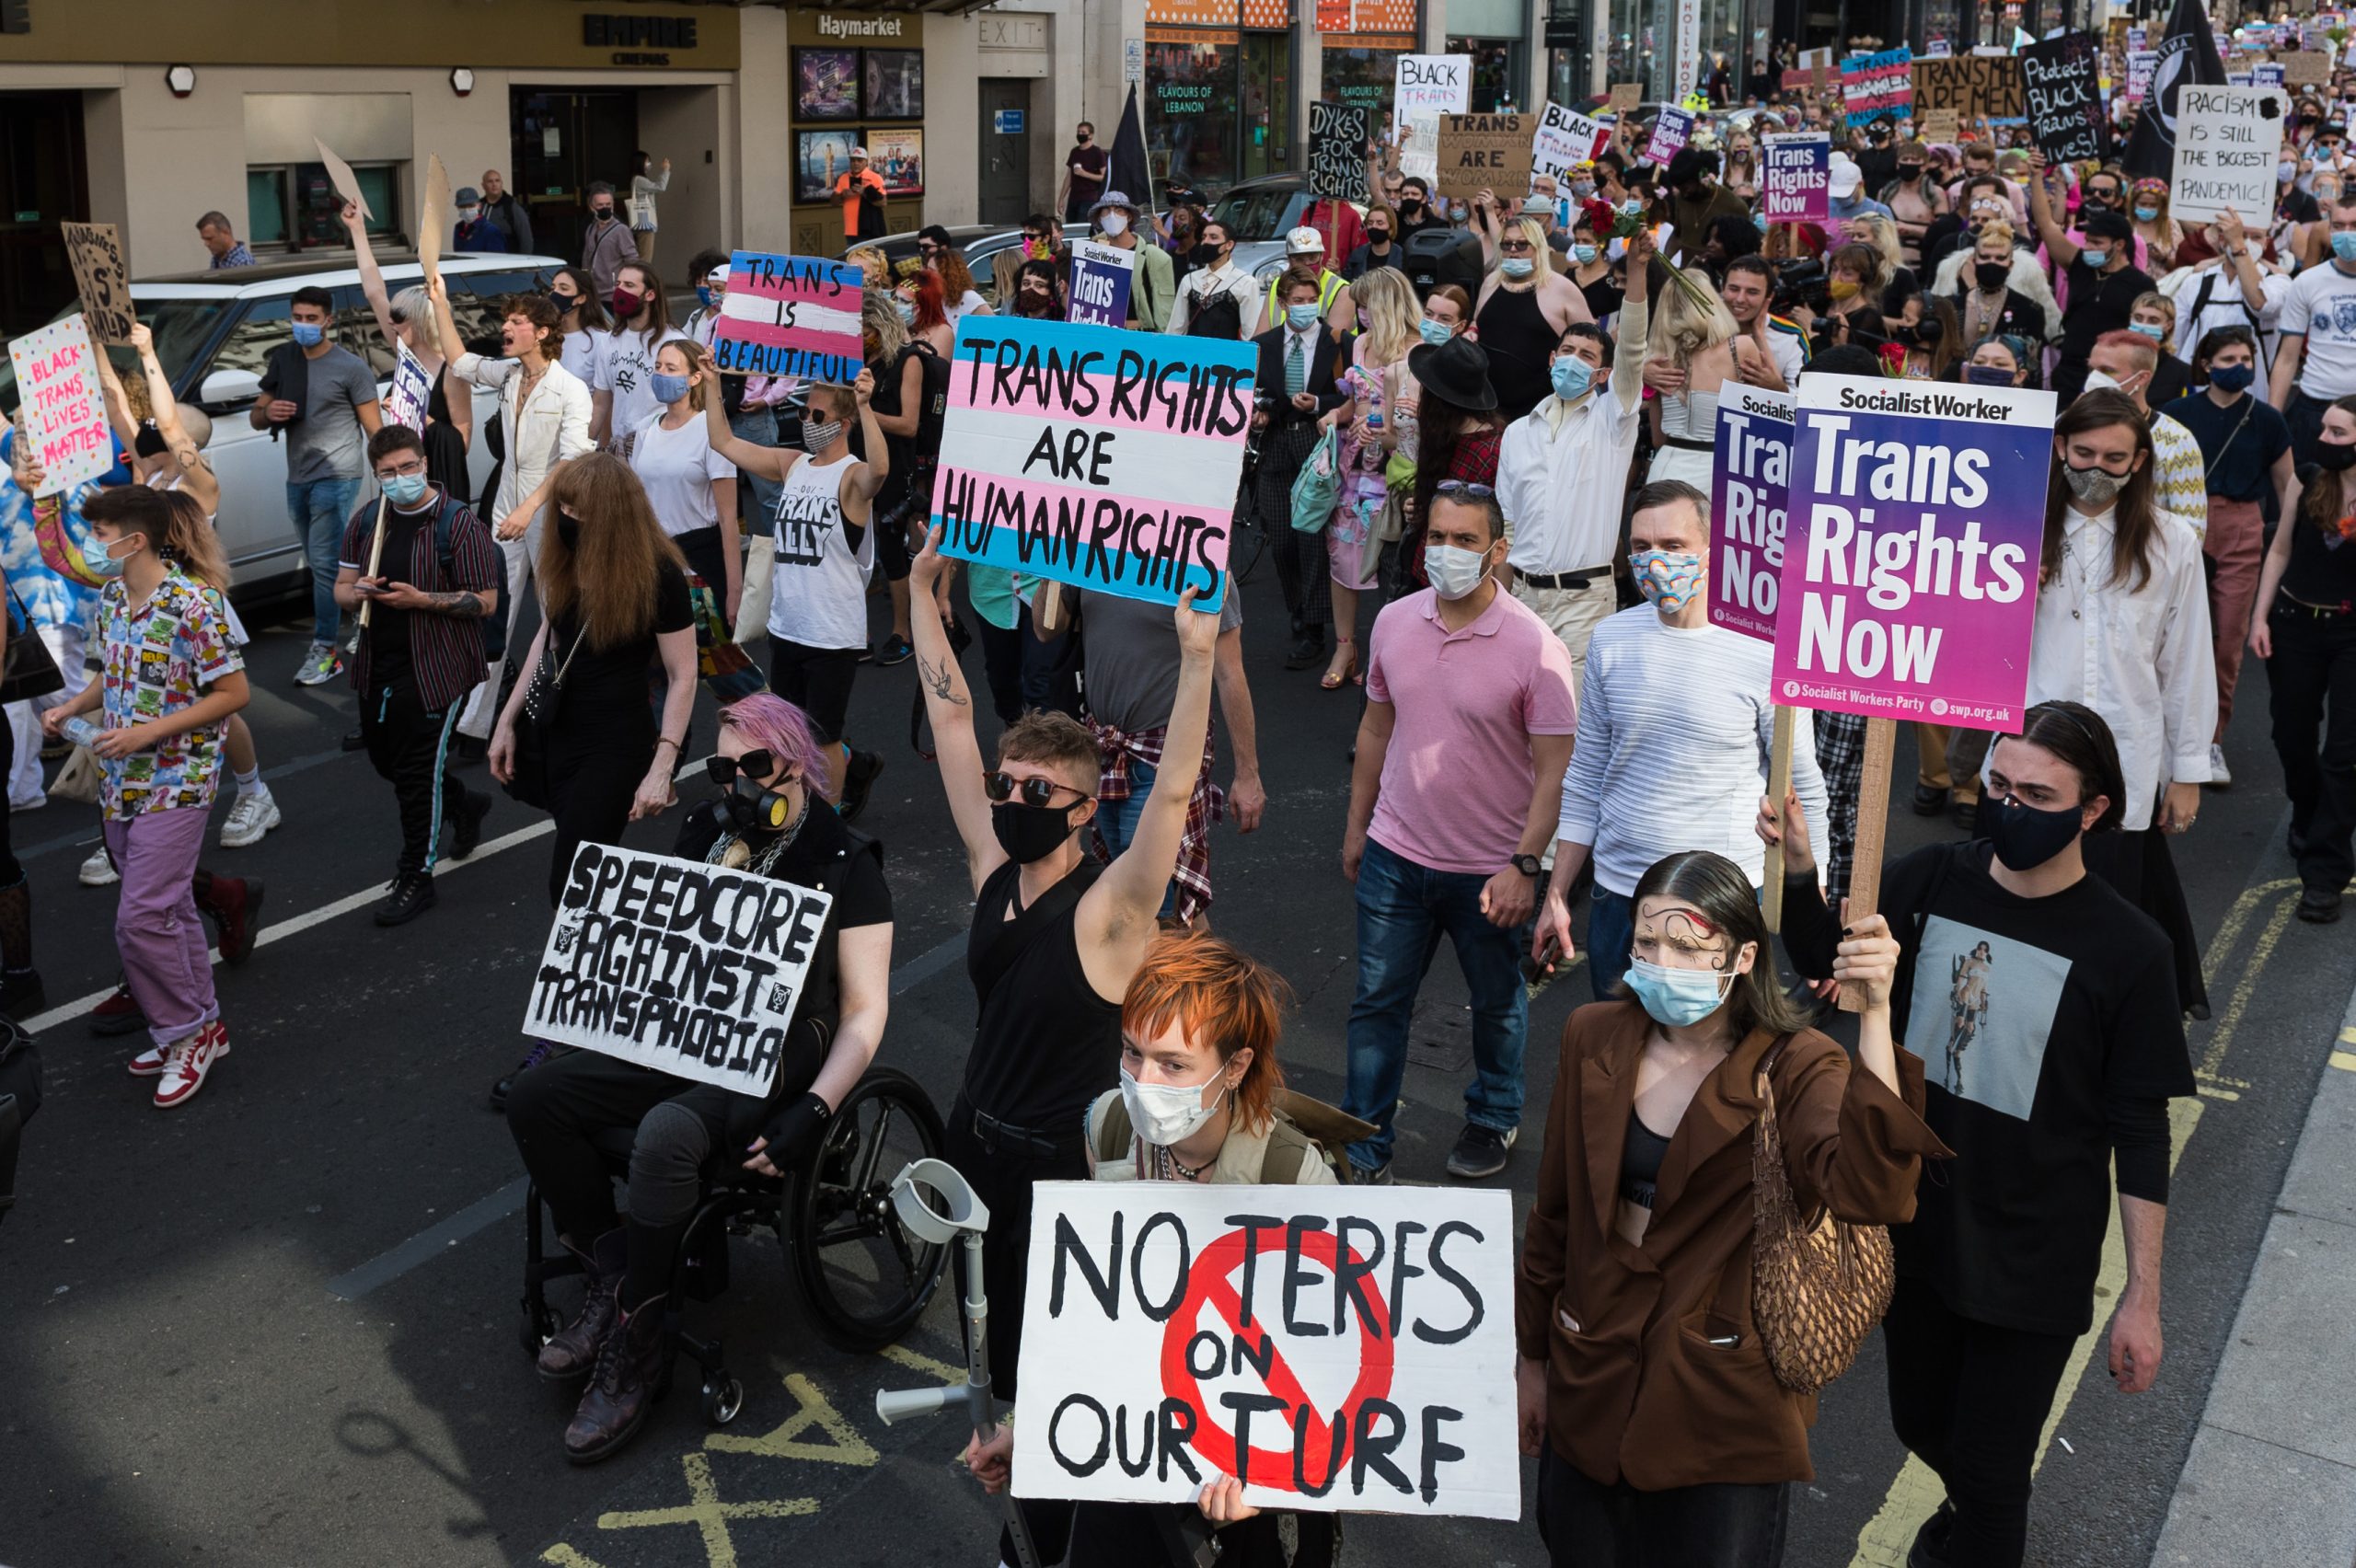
[{"x": 1329, "y": 284}]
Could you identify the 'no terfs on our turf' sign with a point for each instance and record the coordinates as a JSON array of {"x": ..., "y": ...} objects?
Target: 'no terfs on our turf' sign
[
  {"x": 687, "y": 968},
  {"x": 1337, "y": 1349}
]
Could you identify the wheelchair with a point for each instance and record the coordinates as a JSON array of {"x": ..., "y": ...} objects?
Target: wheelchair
[{"x": 862, "y": 1279}]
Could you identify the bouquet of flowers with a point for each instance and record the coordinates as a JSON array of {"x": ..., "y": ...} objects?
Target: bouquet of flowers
[{"x": 1628, "y": 218}]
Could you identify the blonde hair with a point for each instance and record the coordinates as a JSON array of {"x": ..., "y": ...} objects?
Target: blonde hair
[
  {"x": 1391, "y": 315},
  {"x": 1995, "y": 228},
  {"x": 1540, "y": 252},
  {"x": 1884, "y": 239},
  {"x": 607, "y": 582},
  {"x": 879, "y": 317},
  {"x": 1682, "y": 328},
  {"x": 698, "y": 363}
]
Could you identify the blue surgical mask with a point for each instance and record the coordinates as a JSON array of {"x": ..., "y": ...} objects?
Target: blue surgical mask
[
  {"x": 308, "y": 334},
  {"x": 2147, "y": 214},
  {"x": 2343, "y": 246},
  {"x": 1572, "y": 377},
  {"x": 1303, "y": 316},
  {"x": 404, "y": 490},
  {"x": 908, "y": 312},
  {"x": 2151, "y": 330},
  {"x": 1434, "y": 332},
  {"x": 669, "y": 388},
  {"x": 2097, "y": 260},
  {"x": 1583, "y": 254},
  {"x": 1518, "y": 265},
  {"x": 1677, "y": 998},
  {"x": 99, "y": 563},
  {"x": 1759, "y": 222},
  {"x": 703, "y": 296}
]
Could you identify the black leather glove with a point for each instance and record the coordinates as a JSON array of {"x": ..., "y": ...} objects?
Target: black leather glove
[{"x": 793, "y": 1130}]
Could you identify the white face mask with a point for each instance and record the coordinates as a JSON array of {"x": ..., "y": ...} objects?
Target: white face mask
[
  {"x": 1165, "y": 1113},
  {"x": 1454, "y": 572},
  {"x": 1115, "y": 224}
]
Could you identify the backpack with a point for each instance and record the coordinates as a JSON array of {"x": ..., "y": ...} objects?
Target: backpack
[
  {"x": 933, "y": 413},
  {"x": 1289, "y": 1146},
  {"x": 494, "y": 625}
]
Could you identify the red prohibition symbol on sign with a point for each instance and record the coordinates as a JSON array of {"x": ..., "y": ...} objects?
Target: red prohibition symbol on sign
[{"x": 1322, "y": 1442}]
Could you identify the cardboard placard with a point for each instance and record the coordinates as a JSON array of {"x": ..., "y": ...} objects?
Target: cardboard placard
[
  {"x": 1100, "y": 279},
  {"x": 62, "y": 405},
  {"x": 1565, "y": 139},
  {"x": 1336, "y": 1349},
  {"x": 2063, "y": 99},
  {"x": 1337, "y": 138},
  {"x": 1876, "y": 85},
  {"x": 790, "y": 315},
  {"x": 1670, "y": 131},
  {"x": 1749, "y": 501},
  {"x": 1796, "y": 178},
  {"x": 340, "y": 175},
  {"x": 1917, "y": 518},
  {"x": 1484, "y": 152},
  {"x": 2308, "y": 67},
  {"x": 1975, "y": 86},
  {"x": 411, "y": 393},
  {"x": 2226, "y": 139},
  {"x": 1625, "y": 95},
  {"x": 1094, "y": 456},
  {"x": 1939, "y": 125},
  {"x": 433, "y": 215},
  {"x": 95, "y": 252}
]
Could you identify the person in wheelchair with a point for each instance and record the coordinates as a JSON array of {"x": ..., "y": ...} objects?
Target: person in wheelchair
[{"x": 566, "y": 1110}]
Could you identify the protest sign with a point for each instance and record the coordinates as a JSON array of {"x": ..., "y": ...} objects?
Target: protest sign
[
  {"x": 1670, "y": 133},
  {"x": 2265, "y": 73},
  {"x": 2063, "y": 102},
  {"x": 95, "y": 252},
  {"x": 1749, "y": 499},
  {"x": 2308, "y": 67},
  {"x": 340, "y": 176},
  {"x": 1974, "y": 86},
  {"x": 1094, "y": 456},
  {"x": 1937, "y": 48},
  {"x": 1909, "y": 586},
  {"x": 433, "y": 215},
  {"x": 1625, "y": 95},
  {"x": 1337, "y": 138},
  {"x": 62, "y": 405},
  {"x": 1424, "y": 88},
  {"x": 1484, "y": 152},
  {"x": 412, "y": 391},
  {"x": 2226, "y": 139},
  {"x": 1336, "y": 1349},
  {"x": 2140, "y": 63},
  {"x": 790, "y": 315},
  {"x": 683, "y": 967},
  {"x": 1939, "y": 125},
  {"x": 1874, "y": 86},
  {"x": 1101, "y": 278},
  {"x": 1565, "y": 139},
  {"x": 1795, "y": 181},
  {"x": 2138, "y": 37}
]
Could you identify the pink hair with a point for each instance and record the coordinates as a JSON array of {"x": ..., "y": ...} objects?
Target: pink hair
[{"x": 769, "y": 723}]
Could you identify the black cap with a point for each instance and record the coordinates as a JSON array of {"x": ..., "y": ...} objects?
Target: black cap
[{"x": 2102, "y": 223}]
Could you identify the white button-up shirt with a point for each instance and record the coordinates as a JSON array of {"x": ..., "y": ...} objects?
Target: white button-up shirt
[
  {"x": 2141, "y": 657},
  {"x": 1562, "y": 467}
]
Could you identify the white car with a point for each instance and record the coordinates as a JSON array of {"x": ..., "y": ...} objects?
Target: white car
[{"x": 214, "y": 330}]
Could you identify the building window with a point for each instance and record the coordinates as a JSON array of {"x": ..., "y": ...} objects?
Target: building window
[
  {"x": 1496, "y": 72},
  {"x": 294, "y": 207}
]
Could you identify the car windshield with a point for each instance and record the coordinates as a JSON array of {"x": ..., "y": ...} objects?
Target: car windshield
[
  {"x": 182, "y": 327},
  {"x": 1252, "y": 213}
]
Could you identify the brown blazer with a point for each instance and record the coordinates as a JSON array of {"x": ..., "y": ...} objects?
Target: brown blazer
[{"x": 1635, "y": 1390}]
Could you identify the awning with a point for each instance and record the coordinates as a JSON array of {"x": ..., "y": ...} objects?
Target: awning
[{"x": 873, "y": 8}]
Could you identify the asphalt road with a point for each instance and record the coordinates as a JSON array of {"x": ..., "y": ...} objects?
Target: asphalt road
[{"x": 184, "y": 1385}]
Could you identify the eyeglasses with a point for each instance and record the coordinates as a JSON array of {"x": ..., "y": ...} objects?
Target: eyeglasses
[
  {"x": 1460, "y": 487},
  {"x": 756, "y": 766},
  {"x": 1002, "y": 787},
  {"x": 414, "y": 466}
]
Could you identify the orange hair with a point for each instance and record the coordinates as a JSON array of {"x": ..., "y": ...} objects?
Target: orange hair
[{"x": 1220, "y": 996}]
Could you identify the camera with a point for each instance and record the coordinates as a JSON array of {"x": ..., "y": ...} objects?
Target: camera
[{"x": 1802, "y": 280}]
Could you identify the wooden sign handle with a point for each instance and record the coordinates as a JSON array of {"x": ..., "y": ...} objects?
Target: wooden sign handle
[
  {"x": 375, "y": 559},
  {"x": 1779, "y": 784},
  {"x": 1873, "y": 820}
]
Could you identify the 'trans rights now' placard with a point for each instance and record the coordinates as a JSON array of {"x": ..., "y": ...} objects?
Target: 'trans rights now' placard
[
  {"x": 1094, "y": 456},
  {"x": 1749, "y": 499},
  {"x": 1910, "y": 563}
]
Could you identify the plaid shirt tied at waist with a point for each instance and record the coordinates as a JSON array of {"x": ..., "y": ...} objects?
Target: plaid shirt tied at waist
[{"x": 1206, "y": 805}]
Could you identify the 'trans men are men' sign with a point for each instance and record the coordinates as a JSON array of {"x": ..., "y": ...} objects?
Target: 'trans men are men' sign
[
  {"x": 1094, "y": 456},
  {"x": 686, "y": 968},
  {"x": 2226, "y": 139}
]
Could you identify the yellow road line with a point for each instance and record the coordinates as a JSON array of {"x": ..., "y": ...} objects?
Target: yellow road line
[{"x": 2344, "y": 1060}]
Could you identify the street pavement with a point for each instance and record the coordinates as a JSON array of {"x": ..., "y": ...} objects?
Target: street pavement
[{"x": 279, "y": 1326}]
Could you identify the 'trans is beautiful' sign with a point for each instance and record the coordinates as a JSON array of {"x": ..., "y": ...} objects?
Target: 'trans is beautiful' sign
[
  {"x": 1910, "y": 572},
  {"x": 790, "y": 315},
  {"x": 1333, "y": 1348},
  {"x": 1094, "y": 456},
  {"x": 1749, "y": 499},
  {"x": 686, "y": 968}
]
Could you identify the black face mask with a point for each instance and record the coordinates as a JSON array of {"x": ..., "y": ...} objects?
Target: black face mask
[
  {"x": 2335, "y": 460},
  {"x": 1411, "y": 205},
  {"x": 1910, "y": 171},
  {"x": 1028, "y": 833},
  {"x": 1991, "y": 275},
  {"x": 149, "y": 442},
  {"x": 569, "y": 530},
  {"x": 1379, "y": 237},
  {"x": 2024, "y": 836}
]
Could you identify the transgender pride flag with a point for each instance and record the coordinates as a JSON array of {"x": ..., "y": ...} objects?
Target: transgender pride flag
[{"x": 790, "y": 315}]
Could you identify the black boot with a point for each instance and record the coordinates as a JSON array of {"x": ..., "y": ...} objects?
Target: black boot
[
  {"x": 633, "y": 1367},
  {"x": 573, "y": 1349}
]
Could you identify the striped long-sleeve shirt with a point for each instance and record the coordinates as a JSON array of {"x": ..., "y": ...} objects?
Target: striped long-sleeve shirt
[{"x": 1676, "y": 725}]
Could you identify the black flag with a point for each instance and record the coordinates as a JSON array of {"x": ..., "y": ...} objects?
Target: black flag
[
  {"x": 2187, "y": 55},
  {"x": 1128, "y": 171}
]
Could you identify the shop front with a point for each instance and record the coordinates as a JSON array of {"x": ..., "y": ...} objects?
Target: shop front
[
  {"x": 1218, "y": 90},
  {"x": 856, "y": 80},
  {"x": 1360, "y": 64}
]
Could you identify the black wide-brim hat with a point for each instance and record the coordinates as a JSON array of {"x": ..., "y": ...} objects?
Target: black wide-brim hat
[{"x": 1457, "y": 370}]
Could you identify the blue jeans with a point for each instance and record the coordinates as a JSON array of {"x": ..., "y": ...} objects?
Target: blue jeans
[
  {"x": 1404, "y": 910},
  {"x": 1118, "y": 824},
  {"x": 757, "y": 425},
  {"x": 1610, "y": 932},
  {"x": 319, "y": 509}
]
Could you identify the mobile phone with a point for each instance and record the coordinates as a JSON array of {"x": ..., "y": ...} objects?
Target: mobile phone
[{"x": 1535, "y": 969}]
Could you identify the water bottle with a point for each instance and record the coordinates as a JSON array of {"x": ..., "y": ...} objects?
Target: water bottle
[{"x": 80, "y": 730}]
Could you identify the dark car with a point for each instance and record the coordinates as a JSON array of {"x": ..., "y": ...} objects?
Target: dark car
[{"x": 979, "y": 243}]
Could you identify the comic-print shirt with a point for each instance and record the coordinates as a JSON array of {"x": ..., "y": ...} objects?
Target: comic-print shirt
[{"x": 159, "y": 656}]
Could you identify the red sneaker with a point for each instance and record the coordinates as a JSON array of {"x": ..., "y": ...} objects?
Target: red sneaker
[
  {"x": 234, "y": 904},
  {"x": 187, "y": 1063},
  {"x": 117, "y": 1015},
  {"x": 151, "y": 1061}
]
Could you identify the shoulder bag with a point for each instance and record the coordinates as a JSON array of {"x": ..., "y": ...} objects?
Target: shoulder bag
[
  {"x": 29, "y": 671},
  {"x": 1818, "y": 1285},
  {"x": 527, "y": 782}
]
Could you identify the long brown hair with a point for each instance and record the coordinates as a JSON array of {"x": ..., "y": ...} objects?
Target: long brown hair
[
  {"x": 2325, "y": 500},
  {"x": 589, "y": 316},
  {"x": 2138, "y": 522},
  {"x": 607, "y": 585},
  {"x": 1720, "y": 892},
  {"x": 956, "y": 278},
  {"x": 658, "y": 303}
]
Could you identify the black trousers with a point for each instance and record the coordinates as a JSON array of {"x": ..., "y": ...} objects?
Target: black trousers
[
  {"x": 2305, "y": 416},
  {"x": 591, "y": 781},
  {"x": 409, "y": 745},
  {"x": 1586, "y": 1523},
  {"x": 1025, "y": 672},
  {"x": 2312, "y": 677},
  {"x": 1002, "y": 1177},
  {"x": 1969, "y": 1400},
  {"x": 1302, "y": 569}
]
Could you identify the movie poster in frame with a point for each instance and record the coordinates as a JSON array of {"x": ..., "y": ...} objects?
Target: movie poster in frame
[
  {"x": 894, "y": 84},
  {"x": 826, "y": 83}
]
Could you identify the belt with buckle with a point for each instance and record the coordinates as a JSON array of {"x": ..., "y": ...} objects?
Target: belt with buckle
[
  {"x": 1006, "y": 1137},
  {"x": 1579, "y": 579}
]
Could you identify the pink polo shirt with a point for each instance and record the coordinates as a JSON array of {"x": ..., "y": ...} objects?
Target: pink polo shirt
[{"x": 1457, "y": 779}]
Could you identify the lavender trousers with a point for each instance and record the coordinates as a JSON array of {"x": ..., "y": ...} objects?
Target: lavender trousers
[{"x": 157, "y": 931}]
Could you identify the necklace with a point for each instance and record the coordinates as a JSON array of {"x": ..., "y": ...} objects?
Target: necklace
[
  {"x": 767, "y": 857},
  {"x": 1166, "y": 1164}
]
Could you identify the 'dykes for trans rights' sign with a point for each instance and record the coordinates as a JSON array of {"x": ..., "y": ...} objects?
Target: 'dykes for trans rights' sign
[
  {"x": 1749, "y": 499},
  {"x": 1094, "y": 456},
  {"x": 1909, "y": 569},
  {"x": 790, "y": 315},
  {"x": 1342, "y": 1349},
  {"x": 689, "y": 969}
]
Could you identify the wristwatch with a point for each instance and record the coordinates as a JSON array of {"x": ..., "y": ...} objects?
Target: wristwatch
[{"x": 1527, "y": 865}]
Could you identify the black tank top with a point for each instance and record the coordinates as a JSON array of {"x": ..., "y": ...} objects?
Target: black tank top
[
  {"x": 1640, "y": 1160},
  {"x": 1045, "y": 1042},
  {"x": 1520, "y": 342}
]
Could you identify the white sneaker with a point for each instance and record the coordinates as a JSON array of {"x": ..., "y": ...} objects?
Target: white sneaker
[
  {"x": 320, "y": 665},
  {"x": 251, "y": 816},
  {"x": 2219, "y": 776},
  {"x": 97, "y": 870},
  {"x": 186, "y": 1064}
]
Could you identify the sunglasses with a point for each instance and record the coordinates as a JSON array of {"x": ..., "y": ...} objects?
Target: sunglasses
[
  {"x": 1003, "y": 787},
  {"x": 1459, "y": 486},
  {"x": 756, "y": 766}
]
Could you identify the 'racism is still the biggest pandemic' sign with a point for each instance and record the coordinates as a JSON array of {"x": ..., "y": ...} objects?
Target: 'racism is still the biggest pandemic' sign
[
  {"x": 1094, "y": 456},
  {"x": 1334, "y": 1348},
  {"x": 1910, "y": 562}
]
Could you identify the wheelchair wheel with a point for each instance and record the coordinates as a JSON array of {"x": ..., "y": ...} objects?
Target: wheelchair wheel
[
  {"x": 863, "y": 1277},
  {"x": 721, "y": 1400}
]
